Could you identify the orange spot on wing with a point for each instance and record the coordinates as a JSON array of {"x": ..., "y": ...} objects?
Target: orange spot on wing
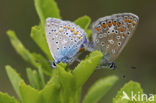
[
  {"x": 118, "y": 24},
  {"x": 98, "y": 29},
  {"x": 129, "y": 21},
  {"x": 122, "y": 29},
  {"x": 71, "y": 30},
  {"x": 103, "y": 25},
  {"x": 114, "y": 23},
  {"x": 82, "y": 49},
  {"x": 125, "y": 20},
  {"x": 109, "y": 24},
  {"x": 76, "y": 33},
  {"x": 123, "y": 34},
  {"x": 134, "y": 23}
]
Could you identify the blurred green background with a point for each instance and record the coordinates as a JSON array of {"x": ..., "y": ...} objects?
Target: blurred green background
[{"x": 20, "y": 15}]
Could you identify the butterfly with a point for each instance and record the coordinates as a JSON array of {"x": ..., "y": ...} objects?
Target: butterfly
[
  {"x": 65, "y": 40},
  {"x": 111, "y": 34}
]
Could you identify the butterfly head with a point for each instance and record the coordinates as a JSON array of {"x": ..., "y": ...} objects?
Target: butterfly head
[{"x": 53, "y": 65}]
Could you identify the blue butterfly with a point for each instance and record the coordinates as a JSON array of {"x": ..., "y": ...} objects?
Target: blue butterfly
[{"x": 65, "y": 39}]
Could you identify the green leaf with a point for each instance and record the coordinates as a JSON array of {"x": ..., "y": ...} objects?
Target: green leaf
[
  {"x": 36, "y": 60},
  {"x": 86, "y": 67},
  {"x": 78, "y": 95},
  {"x": 127, "y": 90},
  {"x": 99, "y": 89},
  {"x": 30, "y": 77},
  {"x": 42, "y": 63},
  {"x": 51, "y": 91},
  {"x": 14, "y": 79},
  {"x": 30, "y": 95},
  {"x": 41, "y": 75},
  {"x": 83, "y": 22},
  {"x": 38, "y": 35},
  {"x": 5, "y": 98},
  {"x": 89, "y": 32},
  {"x": 68, "y": 82},
  {"x": 66, "y": 78},
  {"x": 45, "y": 9},
  {"x": 33, "y": 78}
]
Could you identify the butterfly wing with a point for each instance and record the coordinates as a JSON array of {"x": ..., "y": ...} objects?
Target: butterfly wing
[
  {"x": 111, "y": 34},
  {"x": 64, "y": 39}
]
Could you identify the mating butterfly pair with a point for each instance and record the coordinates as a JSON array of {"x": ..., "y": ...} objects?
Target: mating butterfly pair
[{"x": 110, "y": 35}]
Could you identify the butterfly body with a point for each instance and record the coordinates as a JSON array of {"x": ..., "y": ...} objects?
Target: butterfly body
[
  {"x": 64, "y": 39},
  {"x": 111, "y": 34}
]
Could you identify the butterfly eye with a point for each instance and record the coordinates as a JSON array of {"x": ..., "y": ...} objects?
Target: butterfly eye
[{"x": 53, "y": 65}]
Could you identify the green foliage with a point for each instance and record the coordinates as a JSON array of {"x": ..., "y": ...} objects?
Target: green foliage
[
  {"x": 99, "y": 89},
  {"x": 38, "y": 35},
  {"x": 45, "y": 9},
  {"x": 128, "y": 89},
  {"x": 5, "y": 98},
  {"x": 36, "y": 60},
  {"x": 83, "y": 71},
  {"x": 14, "y": 79},
  {"x": 83, "y": 22},
  {"x": 36, "y": 80},
  {"x": 29, "y": 94},
  {"x": 64, "y": 85}
]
